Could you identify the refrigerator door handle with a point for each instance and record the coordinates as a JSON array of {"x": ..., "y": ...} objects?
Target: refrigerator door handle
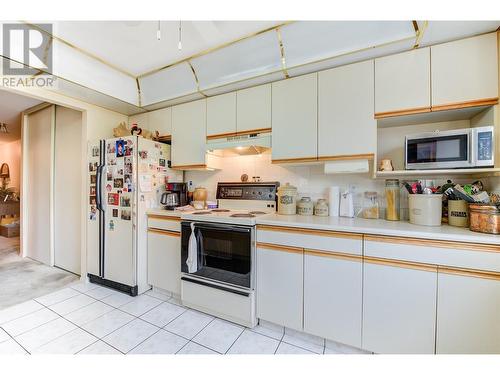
[{"x": 98, "y": 187}]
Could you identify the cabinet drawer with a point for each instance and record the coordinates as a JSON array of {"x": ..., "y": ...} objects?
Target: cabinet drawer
[
  {"x": 339, "y": 242},
  {"x": 170, "y": 223},
  {"x": 446, "y": 253}
]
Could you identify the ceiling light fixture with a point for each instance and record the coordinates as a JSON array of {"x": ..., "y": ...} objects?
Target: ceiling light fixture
[
  {"x": 3, "y": 128},
  {"x": 158, "y": 32},
  {"x": 180, "y": 36}
]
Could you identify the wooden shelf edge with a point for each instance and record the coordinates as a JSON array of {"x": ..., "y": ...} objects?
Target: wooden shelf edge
[{"x": 402, "y": 112}]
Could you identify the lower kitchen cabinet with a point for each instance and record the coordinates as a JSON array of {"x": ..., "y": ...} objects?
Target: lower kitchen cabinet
[
  {"x": 399, "y": 307},
  {"x": 164, "y": 260},
  {"x": 280, "y": 285},
  {"x": 468, "y": 313},
  {"x": 333, "y": 296}
]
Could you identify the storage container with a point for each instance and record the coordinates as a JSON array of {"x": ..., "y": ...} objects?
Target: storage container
[
  {"x": 305, "y": 206},
  {"x": 458, "y": 213},
  {"x": 370, "y": 205},
  {"x": 321, "y": 208},
  {"x": 287, "y": 199},
  {"x": 425, "y": 209},
  {"x": 484, "y": 218},
  {"x": 392, "y": 197}
]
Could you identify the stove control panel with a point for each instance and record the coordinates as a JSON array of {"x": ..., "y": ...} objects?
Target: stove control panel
[{"x": 265, "y": 191}]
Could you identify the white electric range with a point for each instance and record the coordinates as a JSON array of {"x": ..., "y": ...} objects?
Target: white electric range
[{"x": 223, "y": 283}]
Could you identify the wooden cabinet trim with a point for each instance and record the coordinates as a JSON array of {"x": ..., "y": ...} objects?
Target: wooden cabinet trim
[
  {"x": 347, "y": 157},
  {"x": 162, "y": 217},
  {"x": 402, "y": 112},
  {"x": 401, "y": 264},
  {"x": 237, "y": 133},
  {"x": 334, "y": 254},
  {"x": 467, "y": 104},
  {"x": 434, "y": 243},
  {"x": 164, "y": 138},
  {"x": 190, "y": 166},
  {"x": 164, "y": 232},
  {"x": 469, "y": 273},
  {"x": 288, "y": 249},
  {"x": 295, "y": 160},
  {"x": 317, "y": 232}
]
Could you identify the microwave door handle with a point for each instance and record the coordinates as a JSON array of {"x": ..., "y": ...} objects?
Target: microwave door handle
[{"x": 471, "y": 139}]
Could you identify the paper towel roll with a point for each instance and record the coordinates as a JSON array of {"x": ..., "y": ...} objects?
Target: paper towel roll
[{"x": 334, "y": 200}]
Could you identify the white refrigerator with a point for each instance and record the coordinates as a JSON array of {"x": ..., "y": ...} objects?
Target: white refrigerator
[{"x": 126, "y": 178}]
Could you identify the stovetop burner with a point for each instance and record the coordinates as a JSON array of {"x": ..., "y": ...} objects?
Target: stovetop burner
[
  {"x": 242, "y": 215},
  {"x": 220, "y": 210},
  {"x": 202, "y": 213},
  {"x": 257, "y": 212}
]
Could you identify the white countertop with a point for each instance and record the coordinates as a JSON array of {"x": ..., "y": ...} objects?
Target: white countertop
[
  {"x": 380, "y": 226},
  {"x": 163, "y": 212}
]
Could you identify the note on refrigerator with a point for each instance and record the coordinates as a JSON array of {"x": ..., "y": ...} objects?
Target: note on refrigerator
[{"x": 145, "y": 183}]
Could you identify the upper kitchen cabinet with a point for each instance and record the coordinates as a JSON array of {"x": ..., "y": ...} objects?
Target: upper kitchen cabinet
[
  {"x": 161, "y": 121},
  {"x": 253, "y": 109},
  {"x": 221, "y": 115},
  {"x": 465, "y": 72},
  {"x": 295, "y": 119},
  {"x": 189, "y": 122},
  {"x": 402, "y": 83},
  {"x": 346, "y": 126}
]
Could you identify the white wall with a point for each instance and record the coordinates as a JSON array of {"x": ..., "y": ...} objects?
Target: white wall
[
  {"x": 10, "y": 153},
  {"x": 67, "y": 182},
  {"x": 37, "y": 193}
]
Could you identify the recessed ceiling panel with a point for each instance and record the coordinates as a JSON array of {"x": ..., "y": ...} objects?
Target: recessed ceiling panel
[
  {"x": 366, "y": 54},
  {"x": 444, "y": 31},
  {"x": 313, "y": 40},
  {"x": 169, "y": 83},
  {"x": 246, "y": 59},
  {"x": 75, "y": 66}
]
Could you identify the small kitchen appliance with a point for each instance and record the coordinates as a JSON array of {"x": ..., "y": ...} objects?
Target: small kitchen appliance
[
  {"x": 174, "y": 196},
  {"x": 221, "y": 243},
  {"x": 462, "y": 148}
]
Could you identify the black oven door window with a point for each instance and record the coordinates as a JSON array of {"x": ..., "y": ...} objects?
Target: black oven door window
[
  {"x": 438, "y": 149},
  {"x": 224, "y": 252}
]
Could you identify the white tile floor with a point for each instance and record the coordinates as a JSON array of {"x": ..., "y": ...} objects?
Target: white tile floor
[{"x": 90, "y": 319}]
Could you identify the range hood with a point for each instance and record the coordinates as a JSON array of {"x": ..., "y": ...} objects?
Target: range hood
[{"x": 247, "y": 144}]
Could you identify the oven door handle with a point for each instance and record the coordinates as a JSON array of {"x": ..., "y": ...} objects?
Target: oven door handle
[{"x": 221, "y": 227}]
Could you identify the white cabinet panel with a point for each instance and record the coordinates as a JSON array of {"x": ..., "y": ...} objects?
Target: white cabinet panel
[
  {"x": 402, "y": 81},
  {"x": 399, "y": 309},
  {"x": 465, "y": 70},
  {"x": 279, "y": 285},
  {"x": 333, "y": 298},
  {"x": 346, "y": 124},
  {"x": 164, "y": 260},
  {"x": 253, "y": 108},
  {"x": 161, "y": 121},
  {"x": 221, "y": 114},
  {"x": 189, "y": 122},
  {"x": 468, "y": 319},
  {"x": 295, "y": 118}
]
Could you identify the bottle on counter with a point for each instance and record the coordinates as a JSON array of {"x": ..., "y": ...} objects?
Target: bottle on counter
[{"x": 392, "y": 197}]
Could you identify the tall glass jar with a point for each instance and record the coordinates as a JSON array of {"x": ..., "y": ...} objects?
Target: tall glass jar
[{"x": 392, "y": 197}]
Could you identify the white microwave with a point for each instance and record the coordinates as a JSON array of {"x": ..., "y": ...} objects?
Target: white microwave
[{"x": 449, "y": 149}]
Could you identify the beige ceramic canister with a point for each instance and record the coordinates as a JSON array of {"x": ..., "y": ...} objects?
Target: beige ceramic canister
[
  {"x": 287, "y": 199},
  {"x": 305, "y": 206},
  {"x": 321, "y": 208}
]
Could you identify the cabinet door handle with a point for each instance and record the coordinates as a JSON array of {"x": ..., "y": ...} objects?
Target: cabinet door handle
[{"x": 287, "y": 249}]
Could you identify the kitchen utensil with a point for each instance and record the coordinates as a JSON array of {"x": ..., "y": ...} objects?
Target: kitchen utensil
[
  {"x": 305, "y": 206},
  {"x": 408, "y": 187},
  {"x": 392, "y": 197},
  {"x": 321, "y": 208},
  {"x": 484, "y": 218},
  {"x": 458, "y": 213},
  {"x": 287, "y": 199},
  {"x": 425, "y": 209}
]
